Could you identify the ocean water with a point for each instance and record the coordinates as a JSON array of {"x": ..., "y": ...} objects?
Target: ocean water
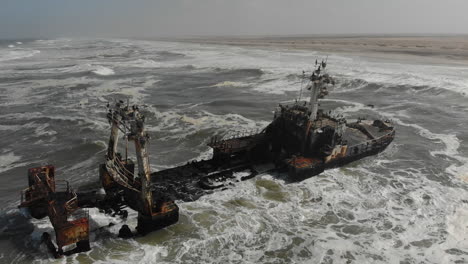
[{"x": 408, "y": 204}]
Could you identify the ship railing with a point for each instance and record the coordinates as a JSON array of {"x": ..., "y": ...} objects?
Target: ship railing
[
  {"x": 239, "y": 134},
  {"x": 229, "y": 146},
  {"x": 250, "y": 133},
  {"x": 39, "y": 190},
  {"x": 58, "y": 215},
  {"x": 123, "y": 169},
  {"x": 117, "y": 173},
  {"x": 62, "y": 186},
  {"x": 31, "y": 194},
  {"x": 60, "y": 218},
  {"x": 71, "y": 204},
  {"x": 371, "y": 144},
  {"x": 363, "y": 130},
  {"x": 45, "y": 183},
  {"x": 118, "y": 163},
  {"x": 24, "y": 195},
  {"x": 53, "y": 215}
]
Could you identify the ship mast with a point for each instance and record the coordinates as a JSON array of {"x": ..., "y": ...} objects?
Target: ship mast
[
  {"x": 140, "y": 137},
  {"x": 130, "y": 120},
  {"x": 314, "y": 87},
  {"x": 317, "y": 87},
  {"x": 119, "y": 174},
  {"x": 114, "y": 119}
]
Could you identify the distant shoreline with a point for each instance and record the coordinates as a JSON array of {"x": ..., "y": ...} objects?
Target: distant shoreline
[{"x": 452, "y": 49}]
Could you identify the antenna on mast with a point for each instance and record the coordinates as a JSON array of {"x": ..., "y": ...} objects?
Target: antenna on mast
[
  {"x": 302, "y": 83},
  {"x": 126, "y": 143},
  {"x": 324, "y": 63}
]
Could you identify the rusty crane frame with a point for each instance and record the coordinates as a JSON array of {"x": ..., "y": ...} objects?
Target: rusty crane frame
[
  {"x": 47, "y": 197},
  {"x": 118, "y": 173},
  {"x": 124, "y": 187}
]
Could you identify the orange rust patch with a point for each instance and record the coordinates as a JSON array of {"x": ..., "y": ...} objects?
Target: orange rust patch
[
  {"x": 72, "y": 232},
  {"x": 302, "y": 162},
  {"x": 165, "y": 208}
]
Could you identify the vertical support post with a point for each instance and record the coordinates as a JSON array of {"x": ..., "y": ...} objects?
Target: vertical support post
[
  {"x": 126, "y": 145},
  {"x": 114, "y": 137},
  {"x": 143, "y": 163},
  {"x": 313, "y": 104}
]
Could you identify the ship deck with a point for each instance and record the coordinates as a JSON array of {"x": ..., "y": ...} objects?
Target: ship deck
[
  {"x": 194, "y": 179},
  {"x": 353, "y": 136},
  {"x": 364, "y": 130}
]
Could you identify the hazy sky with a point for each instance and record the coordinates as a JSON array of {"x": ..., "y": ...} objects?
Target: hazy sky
[{"x": 152, "y": 18}]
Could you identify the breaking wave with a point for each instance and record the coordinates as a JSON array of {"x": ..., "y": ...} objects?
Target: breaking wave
[
  {"x": 230, "y": 84},
  {"x": 403, "y": 205},
  {"x": 104, "y": 71},
  {"x": 8, "y": 160},
  {"x": 8, "y": 55}
]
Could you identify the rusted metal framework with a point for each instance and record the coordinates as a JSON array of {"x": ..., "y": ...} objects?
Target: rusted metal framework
[
  {"x": 117, "y": 174},
  {"x": 47, "y": 197}
]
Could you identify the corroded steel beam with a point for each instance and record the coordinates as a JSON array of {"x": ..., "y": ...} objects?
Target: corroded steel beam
[{"x": 43, "y": 198}]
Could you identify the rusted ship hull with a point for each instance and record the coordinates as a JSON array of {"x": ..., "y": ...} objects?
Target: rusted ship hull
[
  {"x": 194, "y": 179},
  {"x": 295, "y": 174}
]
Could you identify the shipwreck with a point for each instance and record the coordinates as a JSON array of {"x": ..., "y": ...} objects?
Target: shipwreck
[{"x": 300, "y": 142}]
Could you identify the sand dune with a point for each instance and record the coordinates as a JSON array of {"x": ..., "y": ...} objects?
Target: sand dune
[{"x": 443, "y": 49}]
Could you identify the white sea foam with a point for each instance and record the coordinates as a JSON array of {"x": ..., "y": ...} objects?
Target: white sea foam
[
  {"x": 230, "y": 84},
  {"x": 9, "y": 127},
  {"x": 143, "y": 63},
  {"x": 180, "y": 125},
  {"x": 457, "y": 228},
  {"x": 275, "y": 85},
  {"x": 122, "y": 86},
  {"x": 281, "y": 63},
  {"x": 104, "y": 71},
  {"x": 8, "y": 55},
  {"x": 451, "y": 142},
  {"x": 43, "y": 129},
  {"x": 376, "y": 209},
  {"x": 351, "y": 107},
  {"x": 8, "y": 161},
  {"x": 451, "y": 78}
]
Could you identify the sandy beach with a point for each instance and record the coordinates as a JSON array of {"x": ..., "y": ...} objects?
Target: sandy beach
[{"x": 431, "y": 49}]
